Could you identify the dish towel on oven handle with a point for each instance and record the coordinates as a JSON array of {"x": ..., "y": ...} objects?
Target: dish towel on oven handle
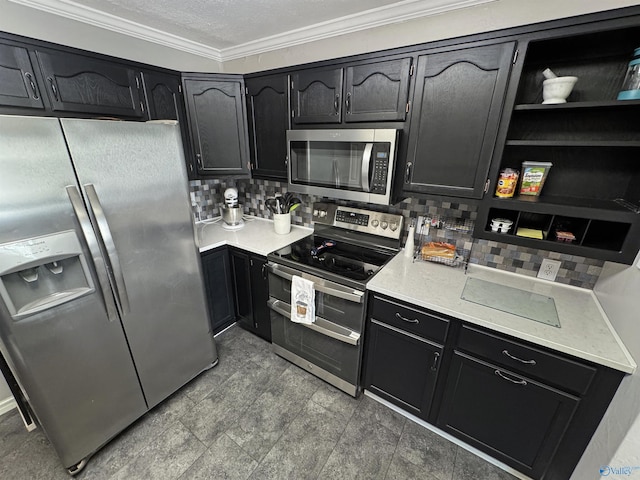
[{"x": 303, "y": 305}]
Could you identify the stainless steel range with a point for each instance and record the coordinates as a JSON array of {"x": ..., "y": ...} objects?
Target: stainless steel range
[{"x": 348, "y": 246}]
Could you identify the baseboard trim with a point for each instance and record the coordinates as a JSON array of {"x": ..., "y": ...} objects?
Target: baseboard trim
[
  {"x": 449, "y": 437},
  {"x": 7, "y": 405}
]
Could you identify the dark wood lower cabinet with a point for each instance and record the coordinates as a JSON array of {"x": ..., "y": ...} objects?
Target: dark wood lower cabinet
[
  {"x": 216, "y": 270},
  {"x": 530, "y": 407},
  {"x": 402, "y": 367},
  {"x": 517, "y": 420},
  {"x": 251, "y": 292}
]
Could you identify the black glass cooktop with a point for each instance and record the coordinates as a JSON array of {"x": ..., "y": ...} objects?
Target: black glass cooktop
[{"x": 338, "y": 257}]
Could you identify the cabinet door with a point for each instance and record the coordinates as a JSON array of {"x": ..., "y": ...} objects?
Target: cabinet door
[
  {"x": 514, "y": 419},
  {"x": 241, "y": 266},
  {"x": 81, "y": 84},
  {"x": 269, "y": 120},
  {"x": 456, "y": 109},
  {"x": 316, "y": 96},
  {"x": 260, "y": 296},
  {"x": 402, "y": 367},
  {"x": 18, "y": 86},
  {"x": 217, "y": 125},
  {"x": 164, "y": 101},
  {"x": 378, "y": 91},
  {"x": 217, "y": 278}
]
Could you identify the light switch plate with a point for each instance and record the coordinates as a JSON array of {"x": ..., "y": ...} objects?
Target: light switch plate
[{"x": 549, "y": 269}]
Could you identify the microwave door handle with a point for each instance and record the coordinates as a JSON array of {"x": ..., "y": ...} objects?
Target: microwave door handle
[
  {"x": 94, "y": 249},
  {"x": 366, "y": 163},
  {"x": 95, "y": 207}
]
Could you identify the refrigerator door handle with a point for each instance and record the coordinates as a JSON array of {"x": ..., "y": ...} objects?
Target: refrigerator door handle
[
  {"x": 94, "y": 249},
  {"x": 104, "y": 232}
]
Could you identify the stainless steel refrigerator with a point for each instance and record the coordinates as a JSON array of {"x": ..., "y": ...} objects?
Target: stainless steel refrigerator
[{"x": 102, "y": 306}]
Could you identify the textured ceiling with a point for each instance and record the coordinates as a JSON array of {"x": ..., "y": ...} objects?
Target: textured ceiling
[{"x": 227, "y": 23}]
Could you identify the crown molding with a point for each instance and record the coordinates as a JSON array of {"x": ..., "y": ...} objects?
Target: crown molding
[
  {"x": 397, "y": 12},
  {"x": 71, "y": 10},
  {"x": 377, "y": 17}
]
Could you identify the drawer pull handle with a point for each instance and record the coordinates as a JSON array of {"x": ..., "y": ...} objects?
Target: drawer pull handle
[
  {"x": 410, "y": 320},
  {"x": 517, "y": 382},
  {"x": 527, "y": 362}
]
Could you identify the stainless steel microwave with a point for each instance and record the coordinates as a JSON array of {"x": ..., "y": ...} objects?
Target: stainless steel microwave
[{"x": 351, "y": 164}]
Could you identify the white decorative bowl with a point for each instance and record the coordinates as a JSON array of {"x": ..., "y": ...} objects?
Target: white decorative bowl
[{"x": 556, "y": 90}]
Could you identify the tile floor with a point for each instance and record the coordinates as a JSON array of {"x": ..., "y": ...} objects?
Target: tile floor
[{"x": 256, "y": 416}]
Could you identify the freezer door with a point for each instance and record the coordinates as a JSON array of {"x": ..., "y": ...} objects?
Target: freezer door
[
  {"x": 133, "y": 178},
  {"x": 70, "y": 359}
]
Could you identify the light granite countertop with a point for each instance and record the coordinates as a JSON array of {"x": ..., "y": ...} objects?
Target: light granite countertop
[
  {"x": 257, "y": 236},
  {"x": 585, "y": 331}
]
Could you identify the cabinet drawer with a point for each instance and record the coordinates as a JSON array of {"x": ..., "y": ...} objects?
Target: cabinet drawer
[
  {"x": 410, "y": 319},
  {"x": 552, "y": 369}
]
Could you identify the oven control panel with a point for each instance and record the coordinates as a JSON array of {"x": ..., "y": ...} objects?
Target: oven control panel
[{"x": 383, "y": 224}]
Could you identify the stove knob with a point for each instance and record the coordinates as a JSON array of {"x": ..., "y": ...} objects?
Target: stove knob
[
  {"x": 315, "y": 213},
  {"x": 393, "y": 226},
  {"x": 375, "y": 223},
  {"x": 384, "y": 225},
  {"x": 323, "y": 213}
]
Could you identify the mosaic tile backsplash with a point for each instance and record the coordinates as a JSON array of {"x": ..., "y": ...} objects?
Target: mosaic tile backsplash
[{"x": 454, "y": 219}]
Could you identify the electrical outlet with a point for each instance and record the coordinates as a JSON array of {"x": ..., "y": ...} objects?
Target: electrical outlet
[{"x": 549, "y": 269}]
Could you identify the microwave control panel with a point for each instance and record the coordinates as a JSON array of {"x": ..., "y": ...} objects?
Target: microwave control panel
[{"x": 380, "y": 158}]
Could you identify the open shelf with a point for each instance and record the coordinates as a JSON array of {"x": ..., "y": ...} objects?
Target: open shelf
[
  {"x": 598, "y": 104},
  {"x": 573, "y": 143},
  {"x": 592, "y": 142}
]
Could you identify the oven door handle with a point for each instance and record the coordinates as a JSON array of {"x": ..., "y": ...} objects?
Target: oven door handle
[
  {"x": 320, "y": 285},
  {"x": 321, "y": 325}
]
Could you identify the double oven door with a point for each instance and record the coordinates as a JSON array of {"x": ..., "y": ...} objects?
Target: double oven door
[{"x": 331, "y": 347}]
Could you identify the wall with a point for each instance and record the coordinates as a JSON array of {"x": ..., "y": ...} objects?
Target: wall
[
  {"x": 458, "y": 221},
  {"x": 34, "y": 23},
  {"x": 482, "y": 18},
  {"x": 616, "y": 443}
]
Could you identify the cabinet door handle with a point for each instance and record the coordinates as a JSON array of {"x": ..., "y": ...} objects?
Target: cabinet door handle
[
  {"x": 336, "y": 104},
  {"x": 199, "y": 160},
  {"x": 347, "y": 102},
  {"x": 436, "y": 357},
  {"x": 54, "y": 89},
  {"x": 517, "y": 382},
  {"x": 526, "y": 362},
  {"x": 410, "y": 320},
  {"x": 407, "y": 173},
  {"x": 264, "y": 271},
  {"x": 32, "y": 84}
]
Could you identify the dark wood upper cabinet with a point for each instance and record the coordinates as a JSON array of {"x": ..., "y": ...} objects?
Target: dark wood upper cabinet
[
  {"x": 456, "y": 111},
  {"x": 75, "y": 83},
  {"x": 268, "y": 119},
  {"x": 217, "y": 123},
  {"x": 18, "y": 84},
  {"x": 163, "y": 92},
  {"x": 377, "y": 91},
  {"x": 374, "y": 90},
  {"x": 316, "y": 96}
]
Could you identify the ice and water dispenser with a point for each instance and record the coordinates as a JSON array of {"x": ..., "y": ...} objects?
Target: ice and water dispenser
[{"x": 43, "y": 272}]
